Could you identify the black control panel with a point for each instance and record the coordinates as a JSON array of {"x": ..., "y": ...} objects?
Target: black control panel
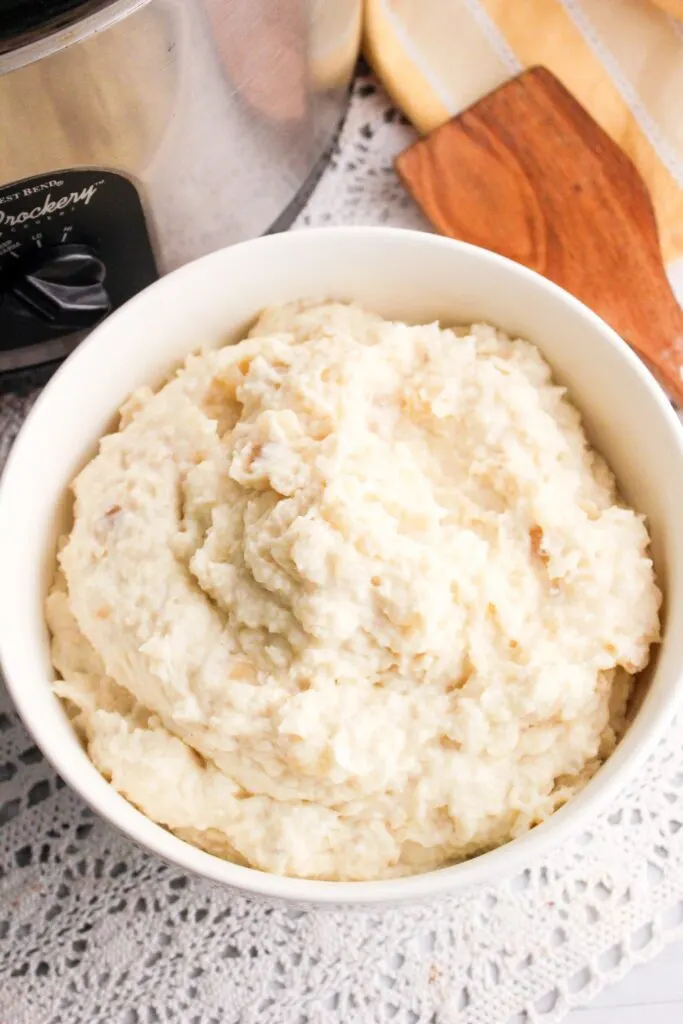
[{"x": 74, "y": 246}]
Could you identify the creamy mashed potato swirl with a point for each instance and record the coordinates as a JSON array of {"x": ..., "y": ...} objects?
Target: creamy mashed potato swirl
[{"x": 351, "y": 599}]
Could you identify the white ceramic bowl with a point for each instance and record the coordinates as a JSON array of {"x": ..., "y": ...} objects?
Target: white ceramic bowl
[{"x": 407, "y": 275}]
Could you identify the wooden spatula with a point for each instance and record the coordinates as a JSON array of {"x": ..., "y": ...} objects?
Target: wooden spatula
[{"x": 528, "y": 173}]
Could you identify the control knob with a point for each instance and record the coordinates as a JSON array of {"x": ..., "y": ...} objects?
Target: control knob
[{"x": 63, "y": 286}]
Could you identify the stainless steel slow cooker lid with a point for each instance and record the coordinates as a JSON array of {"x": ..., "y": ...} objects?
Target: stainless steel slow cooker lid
[
  {"x": 22, "y": 21},
  {"x": 29, "y": 29}
]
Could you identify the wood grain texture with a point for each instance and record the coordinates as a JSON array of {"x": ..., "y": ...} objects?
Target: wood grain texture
[
  {"x": 528, "y": 173},
  {"x": 672, "y": 7}
]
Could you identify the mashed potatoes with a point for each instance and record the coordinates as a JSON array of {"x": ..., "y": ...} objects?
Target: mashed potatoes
[{"x": 351, "y": 599}]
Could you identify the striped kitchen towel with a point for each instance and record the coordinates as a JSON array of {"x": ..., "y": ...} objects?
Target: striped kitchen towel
[{"x": 623, "y": 59}]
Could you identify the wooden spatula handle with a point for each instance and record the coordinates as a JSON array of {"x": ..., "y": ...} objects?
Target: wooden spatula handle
[{"x": 528, "y": 173}]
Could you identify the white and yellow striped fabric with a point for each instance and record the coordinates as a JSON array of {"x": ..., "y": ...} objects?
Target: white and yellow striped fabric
[{"x": 622, "y": 59}]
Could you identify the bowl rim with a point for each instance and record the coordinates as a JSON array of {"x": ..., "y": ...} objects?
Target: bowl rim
[{"x": 507, "y": 860}]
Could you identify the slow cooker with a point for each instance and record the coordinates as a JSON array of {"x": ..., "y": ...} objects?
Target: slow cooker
[{"x": 136, "y": 135}]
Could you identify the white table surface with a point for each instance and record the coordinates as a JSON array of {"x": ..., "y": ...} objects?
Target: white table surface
[{"x": 651, "y": 994}]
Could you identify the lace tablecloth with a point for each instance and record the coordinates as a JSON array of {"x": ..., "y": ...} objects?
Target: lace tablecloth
[{"x": 94, "y": 931}]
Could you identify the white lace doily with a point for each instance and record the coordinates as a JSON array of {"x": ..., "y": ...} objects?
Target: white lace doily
[{"x": 95, "y": 931}]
